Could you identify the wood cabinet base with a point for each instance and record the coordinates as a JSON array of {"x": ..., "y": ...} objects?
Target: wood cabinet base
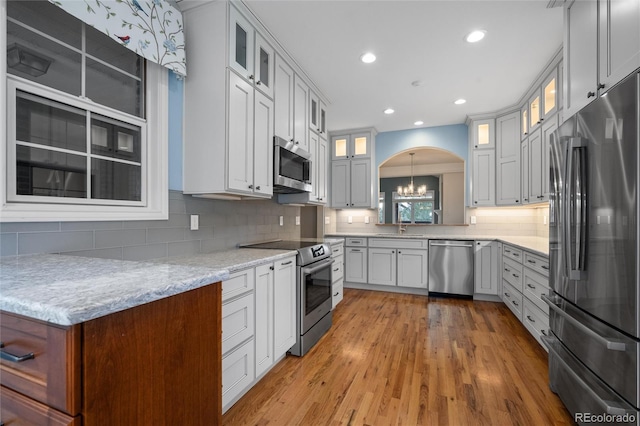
[{"x": 16, "y": 409}]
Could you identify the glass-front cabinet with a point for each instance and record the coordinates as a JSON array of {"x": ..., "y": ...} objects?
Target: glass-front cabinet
[
  {"x": 524, "y": 121},
  {"x": 264, "y": 66},
  {"x": 484, "y": 134},
  {"x": 241, "y": 47},
  {"x": 550, "y": 95},
  {"x": 534, "y": 111},
  {"x": 351, "y": 146}
]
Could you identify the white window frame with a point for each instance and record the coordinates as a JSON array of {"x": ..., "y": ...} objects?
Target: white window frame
[{"x": 155, "y": 193}]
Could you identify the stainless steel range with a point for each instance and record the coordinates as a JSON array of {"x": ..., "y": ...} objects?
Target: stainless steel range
[{"x": 313, "y": 290}]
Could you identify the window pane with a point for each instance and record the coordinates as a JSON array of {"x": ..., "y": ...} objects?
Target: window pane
[
  {"x": 104, "y": 47},
  {"x": 341, "y": 147},
  {"x": 47, "y": 18},
  {"x": 49, "y": 173},
  {"x": 241, "y": 46},
  {"x": 483, "y": 134},
  {"x": 404, "y": 212},
  {"x": 49, "y": 123},
  {"x": 423, "y": 212},
  {"x": 113, "y": 138},
  {"x": 115, "y": 181},
  {"x": 109, "y": 87},
  {"x": 361, "y": 146},
  {"x": 41, "y": 60}
]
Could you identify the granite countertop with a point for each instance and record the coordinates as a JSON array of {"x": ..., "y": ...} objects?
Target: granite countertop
[
  {"x": 537, "y": 245},
  {"x": 67, "y": 290}
]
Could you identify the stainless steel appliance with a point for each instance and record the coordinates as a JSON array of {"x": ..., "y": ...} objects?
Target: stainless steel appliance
[
  {"x": 313, "y": 290},
  {"x": 451, "y": 267},
  {"x": 593, "y": 252},
  {"x": 291, "y": 167}
]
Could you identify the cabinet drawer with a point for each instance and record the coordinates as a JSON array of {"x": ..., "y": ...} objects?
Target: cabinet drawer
[
  {"x": 17, "y": 409},
  {"x": 238, "y": 283},
  {"x": 398, "y": 243},
  {"x": 337, "y": 269},
  {"x": 337, "y": 292},
  {"x": 512, "y": 253},
  {"x": 52, "y": 376},
  {"x": 237, "y": 322},
  {"x": 512, "y": 272},
  {"x": 356, "y": 242},
  {"x": 238, "y": 372},
  {"x": 537, "y": 263},
  {"x": 536, "y": 321},
  {"x": 337, "y": 250},
  {"x": 534, "y": 286},
  {"x": 512, "y": 298}
]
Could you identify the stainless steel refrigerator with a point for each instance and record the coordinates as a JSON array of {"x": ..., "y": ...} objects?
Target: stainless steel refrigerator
[{"x": 593, "y": 251}]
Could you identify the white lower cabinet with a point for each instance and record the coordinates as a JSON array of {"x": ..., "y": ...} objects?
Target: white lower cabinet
[
  {"x": 382, "y": 266},
  {"x": 337, "y": 274},
  {"x": 398, "y": 262},
  {"x": 413, "y": 268},
  {"x": 258, "y": 324},
  {"x": 486, "y": 276},
  {"x": 355, "y": 264}
]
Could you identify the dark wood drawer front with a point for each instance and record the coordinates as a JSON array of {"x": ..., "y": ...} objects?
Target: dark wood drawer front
[
  {"x": 18, "y": 410},
  {"x": 52, "y": 376}
]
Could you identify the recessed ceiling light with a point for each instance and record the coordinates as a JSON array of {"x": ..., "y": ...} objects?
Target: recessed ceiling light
[
  {"x": 475, "y": 36},
  {"x": 418, "y": 123},
  {"x": 460, "y": 101},
  {"x": 389, "y": 111},
  {"x": 368, "y": 58}
]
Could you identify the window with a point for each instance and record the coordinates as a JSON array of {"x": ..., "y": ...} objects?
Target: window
[
  {"x": 85, "y": 139},
  {"x": 413, "y": 209}
]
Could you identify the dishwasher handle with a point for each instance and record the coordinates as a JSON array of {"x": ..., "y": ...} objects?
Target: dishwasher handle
[{"x": 470, "y": 245}]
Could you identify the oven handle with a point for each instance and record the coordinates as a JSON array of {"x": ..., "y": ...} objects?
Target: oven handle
[
  {"x": 610, "y": 344},
  {"x": 320, "y": 265}
]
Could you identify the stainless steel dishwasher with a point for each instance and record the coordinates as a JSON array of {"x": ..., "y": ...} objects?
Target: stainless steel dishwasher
[{"x": 451, "y": 265}]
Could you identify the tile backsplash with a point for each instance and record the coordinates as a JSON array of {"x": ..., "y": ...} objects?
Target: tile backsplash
[
  {"x": 222, "y": 225},
  {"x": 503, "y": 221}
]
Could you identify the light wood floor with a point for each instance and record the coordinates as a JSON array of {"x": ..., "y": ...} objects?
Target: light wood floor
[{"x": 395, "y": 359}]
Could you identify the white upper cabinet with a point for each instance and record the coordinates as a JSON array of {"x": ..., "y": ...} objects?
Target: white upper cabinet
[
  {"x": 241, "y": 45},
  {"x": 535, "y": 111},
  {"x": 284, "y": 82},
  {"x": 240, "y": 147},
  {"x": 524, "y": 121},
  {"x": 483, "y": 134},
  {"x": 619, "y": 40},
  {"x": 508, "y": 159},
  {"x": 549, "y": 99},
  {"x": 317, "y": 115},
  {"x": 484, "y": 178},
  {"x": 357, "y": 145},
  {"x": 301, "y": 113},
  {"x": 264, "y": 66},
  {"x": 601, "y": 47},
  {"x": 524, "y": 169}
]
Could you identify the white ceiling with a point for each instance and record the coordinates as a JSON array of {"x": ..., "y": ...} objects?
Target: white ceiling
[{"x": 419, "y": 40}]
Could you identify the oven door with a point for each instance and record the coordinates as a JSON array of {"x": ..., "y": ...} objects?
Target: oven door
[{"x": 315, "y": 293}]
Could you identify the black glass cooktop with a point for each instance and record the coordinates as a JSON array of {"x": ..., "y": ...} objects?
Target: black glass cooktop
[{"x": 285, "y": 245}]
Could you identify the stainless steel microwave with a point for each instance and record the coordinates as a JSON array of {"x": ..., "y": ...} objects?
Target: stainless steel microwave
[{"x": 291, "y": 168}]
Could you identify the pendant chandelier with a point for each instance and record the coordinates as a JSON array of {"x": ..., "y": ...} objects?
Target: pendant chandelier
[{"x": 411, "y": 190}]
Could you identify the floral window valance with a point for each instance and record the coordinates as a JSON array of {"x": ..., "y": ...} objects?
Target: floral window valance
[{"x": 151, "y": 28}]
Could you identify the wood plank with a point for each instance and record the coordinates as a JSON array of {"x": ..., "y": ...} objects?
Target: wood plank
[{"x": 412, "y": 360}]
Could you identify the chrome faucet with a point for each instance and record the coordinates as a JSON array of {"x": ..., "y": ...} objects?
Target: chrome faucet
[{"x": 401, "y": 228}]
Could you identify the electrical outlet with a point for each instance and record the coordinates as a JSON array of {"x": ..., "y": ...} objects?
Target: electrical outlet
[
  {"x": 473, "y": 220},
  {"x": 366, "y": 219},
  {"x": 327, "y": 220},
  {"x": 350, "y": 219},
  {"x": 298, "y": 220},
  {"x": 281, "y": 220},
  {"x": 195, "y": 222},
  {"x": 544, "y": 219}
]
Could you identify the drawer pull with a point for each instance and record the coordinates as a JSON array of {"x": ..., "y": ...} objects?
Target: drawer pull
[
  {"x": 544, "y": 332},
  {"x": 515, "y": 303},
  {"x": 516, "y": 275},
  {"x": 531, "y": 286},
  {"x": 337, "y": 293},
  {"x": 287, "y": 263},
  {"x": 15, "y": 358},
  {"x": 545, "y": 267},
  {"x": 507, "y": 269},
  {"x": 336, "y": 270},
  {"x": 507, "y": 294},
  {"x": 516, "y": 254},
  {"x": 531, "y": 261},
  {"x": 530, "y": 319},
  {"x": 356, "y": 250}
]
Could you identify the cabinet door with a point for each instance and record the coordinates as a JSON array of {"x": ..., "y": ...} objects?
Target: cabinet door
[
  {"x": 238, "y": 322},
  {"x": 240, "y": 136},
  {"x": 483, "y": 134},
  {"x": 323, "y": 120},
  {"x": 314, "y": 112},
  {"x": 382, "y": 266},
  {"x": 241, "y": 44},
  {"x": 355, "y": 265},
  {"x": 313, "y": 146},
  {"x": 535, "y": 167},
  {"x": 284, "y": 294},
  {"x": 484, "y": 178},
  {"x": 486, "y": 267},
  {"x": 340, "y": 147},
  {"x": 360, "y": 145},
  {"x": 508, "y": 158},
  {"x": 524, "y": 171},
  {"x": 508, "y": 186},
  {"x": 263, "y": 145},
  {"x": 264, "y": 318},
  {"x": 264, "y": 65},
  {"x": 548, "y": 128},
  {"x": 619, "y": 40},
  {"x": 361, "y": 183},
  {"x": 535, "y": 111},
  {"x": 301, "y": 113},
  {"x": 321, "y": 169},
  {"x": 524, "y": 121},
  {"x": 550, "y": 95},
  {"x": 413, "y": 268},
  {"x": 340, "y": 184},
  {"x": 284, "y": 78},
  {"x": 580, "y": 55}
]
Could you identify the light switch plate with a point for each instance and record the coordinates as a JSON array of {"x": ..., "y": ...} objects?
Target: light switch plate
[
  {"x": 473, "y": 220},
  {"x": 327, "y": 220},
  {"x": 366, "y": 219},
  {"x": 281, "y": 220},
  {"x": 350, "y": 219},
  {"x": 298, "y": 220},
  {"x": 195, "y": 222}
]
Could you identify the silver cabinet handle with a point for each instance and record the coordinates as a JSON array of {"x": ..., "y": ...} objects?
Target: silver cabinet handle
[
  {"x": 610, "y": 344},
  {"x": 15, "y": 358},
  {"x": 287, "y": 263},
  {"x": 531, "y": 286},
  {"x": 530, "y": 319},
  {"x": 507, "y": 294},
  {"x": 514, "y": 302}
]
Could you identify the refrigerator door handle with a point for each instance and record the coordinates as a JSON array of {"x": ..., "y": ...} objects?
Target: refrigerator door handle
[
  {"x": 576, "y": 208},
  {"x": 608, "y": 343}
]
